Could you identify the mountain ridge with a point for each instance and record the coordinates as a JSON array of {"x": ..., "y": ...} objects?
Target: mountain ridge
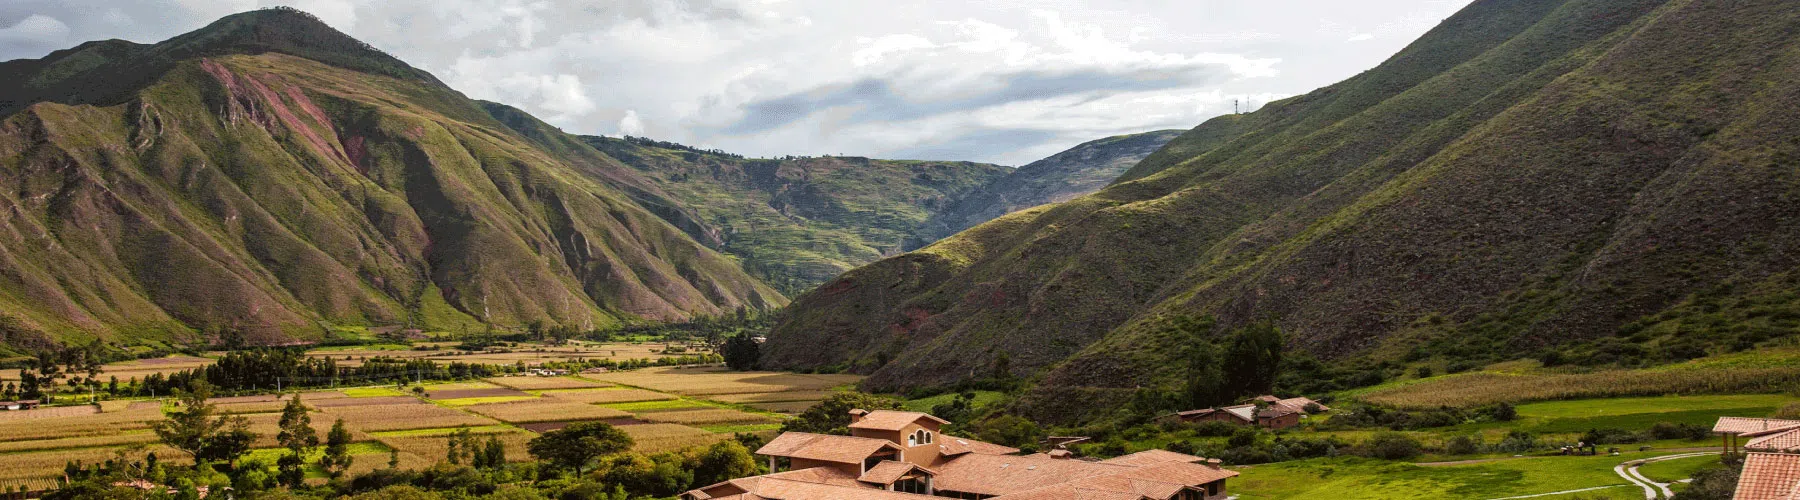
[
  {"x": 279, "y": 195},
  {"x": 1526, "y": 176}
]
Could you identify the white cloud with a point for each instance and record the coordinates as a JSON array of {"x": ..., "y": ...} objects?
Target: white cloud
[
  {"x": 630, "y": 124},
  {"x": 1004, "y": 81},
  {"x": 35, "y": 30}
]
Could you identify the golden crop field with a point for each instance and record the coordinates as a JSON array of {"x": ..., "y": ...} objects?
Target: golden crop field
[
  {"x": 45, "y": 464},
  {"x": 138, "y": 417},
  {"x": 719, "y": 381},
  {"x": 52, "y": 412},
  {"x": 544, "y": 410},
  {"x": 774, "y": 397},
  {"x": 607, "y": 395},
  {"x": 1476, "y": 389},
  {"x": 434, "y": 448},
  {"x": 137, "y": 368},
  {"x": 375, "y": 418},
  {"x": 785, "y": 406},
  {"x": 704, "y": 417},
  {"x": 541, "y": 383},
  {"x": 267, "y": 425},
  {"x": 133, "y": 437},
  {"x": 656, "y": 438}
]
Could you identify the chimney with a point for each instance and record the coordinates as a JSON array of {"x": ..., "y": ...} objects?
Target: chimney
[
  {"x": 1213, "y": 463},
  {"x": 856, "y": 415}
]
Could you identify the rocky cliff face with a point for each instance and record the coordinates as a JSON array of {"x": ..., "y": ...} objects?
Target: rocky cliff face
[{"x": 1529, "y": 174}]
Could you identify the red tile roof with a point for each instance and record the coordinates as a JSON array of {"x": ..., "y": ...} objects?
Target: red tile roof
[
  {"x": 888, "y": 471},
  {"x": 1740, "y": 425},
  {"x": 825, "y": 447},
  {"x": 951, "y": 446},
  {"x": 1768, "y": 476},
  {"x": 1000, "y": 474},
  {"x": 1782, "y": 440},
  {"x": 890, "y": 420},
  {"x": 1152, "y": 457}
]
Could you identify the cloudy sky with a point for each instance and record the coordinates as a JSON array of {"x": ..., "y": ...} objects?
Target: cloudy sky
[{"x": 1005, "y": 81}]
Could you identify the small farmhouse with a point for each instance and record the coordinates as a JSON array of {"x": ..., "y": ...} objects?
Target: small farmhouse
[
  {"x": 897, "y": 455},
  {"x": 1267, "y": 411}
]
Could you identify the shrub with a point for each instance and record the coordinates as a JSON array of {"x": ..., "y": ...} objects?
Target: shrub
[
  {"x": 1244, "y": 436},
  {"x": 1611, "y": 436},
  {"x": 1691, "y": 432},
  {"x": 1463, "y": 445},
  {"x": 1182, "y": 447},
  {"x": 1711, "y": 484},
  {"x": 1214, "y": 428},
  {"x": 1392, "y": 446},
  {"x": 1791, "y": 412},
  {"x": 1517, "y": 442}
]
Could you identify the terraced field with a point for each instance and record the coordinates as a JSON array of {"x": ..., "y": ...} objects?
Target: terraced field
[{"x": 663, "y": 409}]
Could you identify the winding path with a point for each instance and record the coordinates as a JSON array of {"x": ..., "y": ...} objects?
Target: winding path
[
  {"x": 1628, "y": 470},
  {"x": 1652, "y": 489}
]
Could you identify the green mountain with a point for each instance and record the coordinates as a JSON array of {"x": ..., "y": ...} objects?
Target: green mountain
[
  {"x": 797, "y": 222},
  {"x": 1612, "y": 179},
  {"x": 1061, "y": 177},
  {"x": 270, "y": 174}
]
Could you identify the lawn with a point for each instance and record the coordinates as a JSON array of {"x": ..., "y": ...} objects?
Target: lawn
[
  {"x": 982, "y": 399},
  {"x": 1669, "y": 471},
  {"x": 1360, "y": 478}
]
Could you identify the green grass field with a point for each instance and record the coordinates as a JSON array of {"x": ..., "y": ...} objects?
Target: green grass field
[
  {"x": 982, "y": 399},
  {"x": 1367, "y": 479},
  {"x": 654, "y": 406}
]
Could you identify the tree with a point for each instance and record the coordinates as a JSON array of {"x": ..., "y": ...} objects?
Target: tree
[
  {"x": 579, "y": 444},
  {"x": 832, "y": 416},
  {"x": 724, "y": 460},
  {"x": 1253, "y": 359},
  {"x": 494, "y": 454},
  {"x": 741, "y": 352},
  {"x": 337, "y": 457},
  {"x": 195, "y": 430},
  {"x": 298, "y": 436},
  {"x": 1205, "y": 386}
]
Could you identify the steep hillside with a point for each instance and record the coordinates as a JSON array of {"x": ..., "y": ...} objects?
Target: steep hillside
[
  {"x": 1612, "y": 178},
  {"x": 270, "y": 174},
  {"x": 1061, "y": 177},
  {"x": 800, "y": 221}
]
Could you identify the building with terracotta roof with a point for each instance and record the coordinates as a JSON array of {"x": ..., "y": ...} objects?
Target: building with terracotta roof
[
  {"x": 1273, "y": 414},
  {"x": 901, "y": 455},
  {"x": 1771, "y": 453}
]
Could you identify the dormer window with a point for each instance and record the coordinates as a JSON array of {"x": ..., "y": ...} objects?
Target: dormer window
[{"x": 919, "y": 437}]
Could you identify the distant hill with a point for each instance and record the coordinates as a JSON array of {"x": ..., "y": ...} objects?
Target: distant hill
[
  {"x": 1601, "y": 182},
  {"x": 801, "y": 221},
  {"x": 269, "y": 174},
  {"x": 1061, "y": 177}
]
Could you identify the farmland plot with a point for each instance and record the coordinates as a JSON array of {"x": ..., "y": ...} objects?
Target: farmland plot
[
  {"x": 719, "y": 381},
  {"x": 138, "y": 417},
  {"x": 544, "y": 410},
  {"x": 607, "y": 395},
  {"x": 435, "y": 448},
  {"x": 402, "y": 417},
  {"x": 46, "y": 464},
  {"x": 704, "y": 417},
  {"x": 656, "y": 438},
  {"x": 541, "y": 383}
]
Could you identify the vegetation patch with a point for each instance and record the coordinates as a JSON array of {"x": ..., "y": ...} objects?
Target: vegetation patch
[
  {"x": 403, "y": 417},
  {"x": 703, "y": 417},
  {"x": 542, "y": 383},
  {"x": 608, "y": 395},
  {"x": 657, "y": 438},
  {"x": 544, "y": 410}
]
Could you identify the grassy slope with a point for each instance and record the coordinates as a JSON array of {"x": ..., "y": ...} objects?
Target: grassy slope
[
  {"x": 1533, "y": 172},
  {"x": 1080, "y": 170},
  {"x": 271, "y": 192},
  {"x": 799, "y": 222}
]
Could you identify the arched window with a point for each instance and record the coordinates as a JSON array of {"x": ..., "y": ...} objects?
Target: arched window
[{"x": 919, "y": 437}]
